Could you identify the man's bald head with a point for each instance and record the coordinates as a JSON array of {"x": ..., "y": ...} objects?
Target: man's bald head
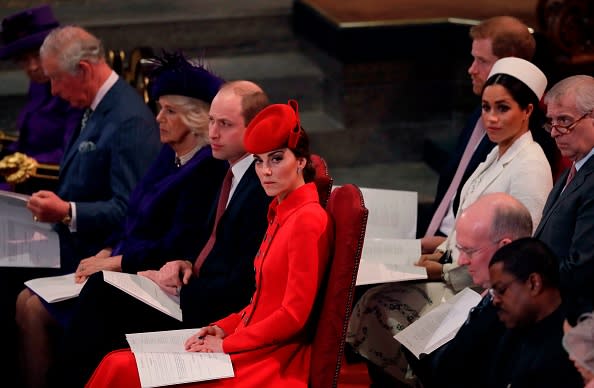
[{"x": 492, "y": 221}]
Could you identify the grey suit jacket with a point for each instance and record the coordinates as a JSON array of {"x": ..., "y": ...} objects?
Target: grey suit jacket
[
  {"x": 567, "y": 227},
  {"x": 100, "y": 168}
]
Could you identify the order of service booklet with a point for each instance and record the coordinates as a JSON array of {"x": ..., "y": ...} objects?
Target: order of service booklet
[
  {"x": 390, "y": 249},
  {"x": 23, "y": 241},
  {"x": 162, "y": 360},
  {"x": 145, "y": 290},
  {"x": 55, "y": 288},
  {"x": 439, "y": 325}
]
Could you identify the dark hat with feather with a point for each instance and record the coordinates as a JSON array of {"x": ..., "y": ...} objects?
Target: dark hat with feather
[{"x": 173, "y": 74}]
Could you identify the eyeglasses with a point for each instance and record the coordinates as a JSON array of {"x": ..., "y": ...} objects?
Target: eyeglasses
[
  {"x": 471, "y": 251},
  {"x": 564, "y": 129},
  {"x": 500, "y": 290}
]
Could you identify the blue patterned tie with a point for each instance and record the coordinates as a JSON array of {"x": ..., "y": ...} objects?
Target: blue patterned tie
[{"x": 85, "y": 118}]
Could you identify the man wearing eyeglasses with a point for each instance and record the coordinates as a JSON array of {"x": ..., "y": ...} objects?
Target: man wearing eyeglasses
[
  {"x": 567, "y": 224},
  {"x": 492, "y": 221},
  {"x": 525, "y": 290},
  {"x": 523, "y": 348},
  {"x": 385, "y": 310},
  {"x": 513, "y": 337}
]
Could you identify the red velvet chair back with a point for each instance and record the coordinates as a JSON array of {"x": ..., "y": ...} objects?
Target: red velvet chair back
[
  {"x": 323, "y": 180},
  {"x": 347, "y": 209}
]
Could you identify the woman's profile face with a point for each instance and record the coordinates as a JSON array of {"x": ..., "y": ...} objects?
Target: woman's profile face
[
  {"x": 502, "y": 117},
  {"x": 278, "y": 172},
  {"x": 172, "y": 130},
  {"x": 30, "y": 63}
]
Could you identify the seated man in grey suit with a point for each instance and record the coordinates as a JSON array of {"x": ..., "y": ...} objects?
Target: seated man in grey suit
[
  {"x": 567, "y": 223},
  {"x": 217, "y": 280}
]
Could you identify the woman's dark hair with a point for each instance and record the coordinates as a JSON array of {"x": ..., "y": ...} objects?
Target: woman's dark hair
[
  {"x": 522, "y": 94},
  {"x": 528, "y": 255},
  {"x": 301, "y": 150}
]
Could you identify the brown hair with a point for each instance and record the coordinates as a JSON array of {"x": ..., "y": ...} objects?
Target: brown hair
[
  {"x": 253, "y": 98},
  {"x": 509, "y": 37},
  {"x": 301, "y": 150}
]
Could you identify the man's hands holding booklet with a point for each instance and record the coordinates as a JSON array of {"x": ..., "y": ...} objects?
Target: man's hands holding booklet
[{"x": 172, "y": 276}]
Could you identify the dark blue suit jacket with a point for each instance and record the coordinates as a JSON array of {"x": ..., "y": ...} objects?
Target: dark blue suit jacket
[
  {"x": 227, "y": 278},
  {"x": 100, "y": 168},
  {"x": 168, "y": 211}
]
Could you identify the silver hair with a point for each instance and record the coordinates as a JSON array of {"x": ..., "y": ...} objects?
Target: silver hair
[
  {"x": 70, "y": 45},
  {"x": 581, "y": 86},
  {"x": 194, "y": 114},
  {"x": 511, "y": 219}
]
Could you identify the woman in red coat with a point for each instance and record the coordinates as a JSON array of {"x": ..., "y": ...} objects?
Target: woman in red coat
[{"x": 268, "y": 339}]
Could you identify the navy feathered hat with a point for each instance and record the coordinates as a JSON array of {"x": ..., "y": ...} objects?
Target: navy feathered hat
[{"x": 173, "y": 74}]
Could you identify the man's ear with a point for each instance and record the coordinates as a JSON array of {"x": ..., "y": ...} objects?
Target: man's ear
[
  {"x": 535, "y": 282},
  {"x": 85, "y": 68},
  {"x": 504, "y": 241}
]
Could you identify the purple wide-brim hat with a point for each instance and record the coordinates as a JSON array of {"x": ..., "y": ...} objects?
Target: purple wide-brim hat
[{"x": 26, "y": 30}]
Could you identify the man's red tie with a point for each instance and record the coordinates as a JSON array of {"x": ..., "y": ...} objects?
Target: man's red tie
[
  {"x": 570, "y": 176},
  {"x": 221, "y": 205}
]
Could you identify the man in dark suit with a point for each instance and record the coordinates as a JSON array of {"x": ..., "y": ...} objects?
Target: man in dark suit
[
  {"x": 492, "y": 39},
  {"x": 117, "y": 141},
  {"x": 567, "y": 224},
  {"x": 217, "y": 280},
  {"x": 492, "y": 221},
  {"x": 513, "y": 337},
  {"x": 101, "y": 164}
]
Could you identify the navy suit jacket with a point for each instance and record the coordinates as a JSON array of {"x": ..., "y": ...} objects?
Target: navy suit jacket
[
  {"x": 100, "y": 168},
  {"x": 168, "y": 210},
  {"x": 227, "y": 277},
  {"x": 567, "y": 227},
  {"x": 479, "y": 156}
]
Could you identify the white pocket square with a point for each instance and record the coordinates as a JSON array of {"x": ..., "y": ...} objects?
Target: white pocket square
[{"x": 86, "y": 146}]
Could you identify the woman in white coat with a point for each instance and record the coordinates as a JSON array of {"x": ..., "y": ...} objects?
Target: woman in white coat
[{"x": 517, "y": 166}]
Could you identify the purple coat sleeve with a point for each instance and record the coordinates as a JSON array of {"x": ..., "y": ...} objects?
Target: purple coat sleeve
[{"x": 45, "y": 125}]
